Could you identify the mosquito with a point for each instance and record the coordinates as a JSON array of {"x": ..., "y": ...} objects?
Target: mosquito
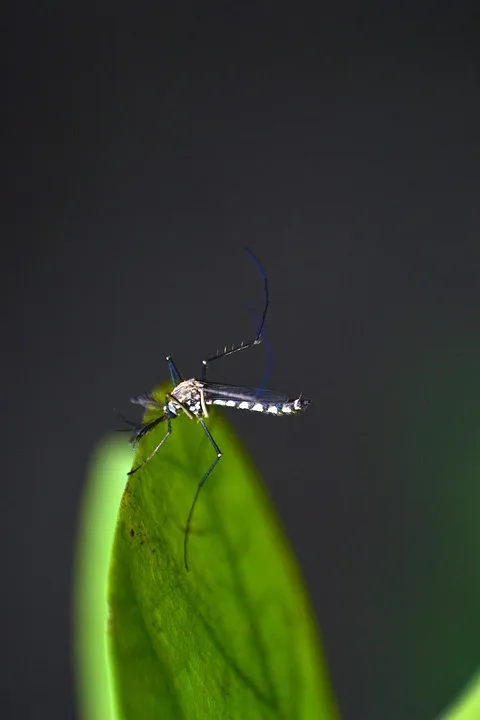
[{"x": 193, "y": 397}]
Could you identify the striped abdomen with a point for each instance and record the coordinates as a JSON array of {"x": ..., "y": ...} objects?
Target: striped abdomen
[
  {"x": 287, "y": 408},
  {"x": 264, "y": 401}
]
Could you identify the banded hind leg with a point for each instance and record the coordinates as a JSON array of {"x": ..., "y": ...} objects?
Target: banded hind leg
[{"x": 258, "y": 339}]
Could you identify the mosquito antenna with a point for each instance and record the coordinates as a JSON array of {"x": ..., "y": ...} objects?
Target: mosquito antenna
[{"x": 126, "y": 420}]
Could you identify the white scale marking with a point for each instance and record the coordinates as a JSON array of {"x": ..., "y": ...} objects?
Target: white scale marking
[{"x": 257, "y": 407}]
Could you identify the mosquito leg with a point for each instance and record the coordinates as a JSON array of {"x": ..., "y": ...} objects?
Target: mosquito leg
[
  {"x": 144, "y": 429},
  {"x": 200, "y": 485},
  {"x": 251, "y": 343},
  {"x": 174, "y": 373}
]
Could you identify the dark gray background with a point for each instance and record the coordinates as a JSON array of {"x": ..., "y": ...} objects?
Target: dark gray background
[{"x": 144, "y": 150}]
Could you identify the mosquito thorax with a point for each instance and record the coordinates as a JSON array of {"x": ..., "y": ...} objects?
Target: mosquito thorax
[{"x": 188, "y": 396}]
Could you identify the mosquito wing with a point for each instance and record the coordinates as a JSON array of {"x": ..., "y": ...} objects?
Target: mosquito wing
[{"x": 216, "y": 391}]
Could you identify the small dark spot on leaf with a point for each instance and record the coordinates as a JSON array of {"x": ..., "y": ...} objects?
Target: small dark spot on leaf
[{"x": 132, "y": 532}]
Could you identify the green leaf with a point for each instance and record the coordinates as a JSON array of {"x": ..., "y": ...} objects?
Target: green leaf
[
  {"x": 235, "y": 636},
  {"x": 98, "y": 517},
  {"x": 467, "y": 706}
]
